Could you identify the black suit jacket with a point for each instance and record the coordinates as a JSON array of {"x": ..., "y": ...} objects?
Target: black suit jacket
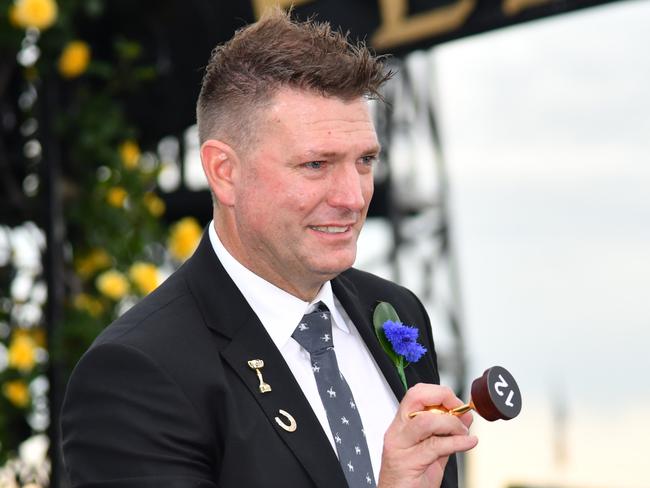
[{"x": 165, "y": 398}]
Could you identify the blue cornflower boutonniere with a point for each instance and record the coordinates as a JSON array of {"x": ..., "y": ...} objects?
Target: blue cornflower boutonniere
[{"x": 397, "y": 339}]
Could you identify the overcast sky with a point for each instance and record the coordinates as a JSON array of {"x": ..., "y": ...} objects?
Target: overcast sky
[{"x": 546, "y": 131}]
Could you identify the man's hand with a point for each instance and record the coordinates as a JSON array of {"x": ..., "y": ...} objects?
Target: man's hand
[{"x": 416, "y": 449}]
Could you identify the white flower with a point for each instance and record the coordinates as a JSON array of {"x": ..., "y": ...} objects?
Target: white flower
[{"x": 33, "y": 451}]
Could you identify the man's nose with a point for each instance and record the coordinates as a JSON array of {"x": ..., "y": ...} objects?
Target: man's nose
[{"x": 347, "y": 188}]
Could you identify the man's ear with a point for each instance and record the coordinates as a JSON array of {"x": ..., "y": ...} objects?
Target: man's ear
[{"x": 220, "y": 164}]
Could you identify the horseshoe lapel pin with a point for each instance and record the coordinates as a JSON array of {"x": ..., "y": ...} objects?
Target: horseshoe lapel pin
[{"x": 292, "y": 426}]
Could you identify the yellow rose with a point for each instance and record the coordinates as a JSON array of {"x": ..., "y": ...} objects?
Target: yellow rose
[
  {"x": 130, "y": 154},
  {"x": 89, "y": 304},
  {"x": 183, "y": 238},
  {"x": 112, "y": 284},
  {"x": 154, "y": 204},
  {"x": 37, "y": 334},
  {"x": 74, "y": 59},
  {"x": 116, "y": 196},
  {"x": 22, "y": 352},
  {"x": 13, "y": 16},
  {"x": 40, "y": 14},
  {"x": 145, "y": 276},
  {"x": 17, "y": 392},
  {"x": 95, "y": 260}
]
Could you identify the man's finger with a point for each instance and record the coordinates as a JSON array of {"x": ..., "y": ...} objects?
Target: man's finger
[
  {"x": 422, "y": 395},
  {"x": 438, "y": 446}
]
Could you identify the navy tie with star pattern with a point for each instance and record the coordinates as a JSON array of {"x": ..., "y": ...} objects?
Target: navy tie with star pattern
[{"x": 315, "y": 335}]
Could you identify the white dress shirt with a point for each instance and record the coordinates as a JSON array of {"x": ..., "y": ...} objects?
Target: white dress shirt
[{"x": 281, "y": 312}]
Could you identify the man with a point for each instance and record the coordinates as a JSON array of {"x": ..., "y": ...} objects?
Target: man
[{"x": 174, "y": 393}]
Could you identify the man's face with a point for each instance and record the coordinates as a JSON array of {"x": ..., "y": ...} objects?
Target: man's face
[{"x": 302, "y": 191}]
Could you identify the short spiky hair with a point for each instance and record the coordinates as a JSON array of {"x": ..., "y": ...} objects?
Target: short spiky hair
[{"x": 244, "y": 73}]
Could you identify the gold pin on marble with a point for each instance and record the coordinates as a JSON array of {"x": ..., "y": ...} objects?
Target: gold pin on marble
[{"x": 258, "y": 364}]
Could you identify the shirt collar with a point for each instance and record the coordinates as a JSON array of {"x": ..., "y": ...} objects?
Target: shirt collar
[{"x": 279, "y": 311}]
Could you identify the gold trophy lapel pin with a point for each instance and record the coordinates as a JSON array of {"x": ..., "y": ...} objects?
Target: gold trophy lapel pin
[{"x": 257, "y": 365}]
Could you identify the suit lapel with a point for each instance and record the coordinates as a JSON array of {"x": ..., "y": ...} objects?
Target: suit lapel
[
  {"x": 361, "y": 316},
  {"x": 308, "y": 442},
  {"x": 244, "y": 337}
]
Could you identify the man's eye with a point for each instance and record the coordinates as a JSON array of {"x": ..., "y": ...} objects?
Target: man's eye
[
  {"x": 369, "y": 160},
  {"x": 314, "y": 164}
]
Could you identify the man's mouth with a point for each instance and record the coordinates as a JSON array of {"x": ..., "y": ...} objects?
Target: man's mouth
[{"x": 330, "y": 229}]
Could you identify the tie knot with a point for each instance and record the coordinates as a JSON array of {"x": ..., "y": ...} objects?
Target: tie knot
[{"x": 314, "y": 332}]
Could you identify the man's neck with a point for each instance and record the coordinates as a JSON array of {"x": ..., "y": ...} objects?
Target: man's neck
[{"x": 304, "y": 291}]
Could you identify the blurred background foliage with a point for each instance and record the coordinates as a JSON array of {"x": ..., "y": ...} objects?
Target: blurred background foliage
[{"x": 67, "y": 86}]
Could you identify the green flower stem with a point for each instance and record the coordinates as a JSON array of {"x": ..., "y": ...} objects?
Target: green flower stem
[{"x": 400, "y": 371}]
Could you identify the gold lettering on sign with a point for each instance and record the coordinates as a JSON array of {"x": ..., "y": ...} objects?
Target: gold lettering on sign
[
  {"x": 397, "y": 28},
  {"x": 259, "y": 6},
  {"x": 513, "y": 7}
]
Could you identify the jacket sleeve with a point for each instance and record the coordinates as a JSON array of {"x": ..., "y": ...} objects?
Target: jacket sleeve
[{"x": 126, "y": 423}]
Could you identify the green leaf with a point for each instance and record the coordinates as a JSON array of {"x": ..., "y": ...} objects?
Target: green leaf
[
  {"x": 94, "y": 8},
  {"x": 127, "y": 49},
  {"x": 145, "y": 73},
  {"x": 402, "y": 376},
  {"x": 384, "y": 311}
]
